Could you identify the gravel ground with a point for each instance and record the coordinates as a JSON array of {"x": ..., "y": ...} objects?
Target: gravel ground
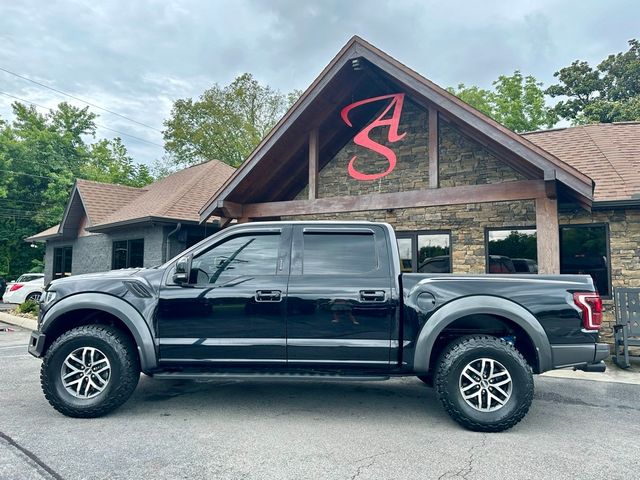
[{"x": 286, "y": 429}]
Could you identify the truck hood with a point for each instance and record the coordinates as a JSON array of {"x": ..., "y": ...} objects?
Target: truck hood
[{"x": 111, "y": 274}]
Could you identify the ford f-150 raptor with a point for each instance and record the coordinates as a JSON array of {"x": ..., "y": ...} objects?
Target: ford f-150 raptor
[{"x": 314, "y": 300}]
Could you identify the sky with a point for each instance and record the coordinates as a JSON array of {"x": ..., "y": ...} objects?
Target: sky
[{"x": 137, "y": 57}]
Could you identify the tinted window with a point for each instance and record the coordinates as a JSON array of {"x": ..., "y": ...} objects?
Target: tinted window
[
  {"x": 406, "y": 254},
  {"x": 583, "y": 250},
  {"x": 62, "y": 262},
  {"x": 425, "y": 252},
  {"x": 239, "y": 256},
  {"x": 339, "y": 253},
  {"x": 128, "y": 254},
  {"x": 512, "y": 251},
  {"x": 433, "y": 253}
]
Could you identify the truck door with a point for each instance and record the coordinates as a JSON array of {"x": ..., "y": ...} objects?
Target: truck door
[
  {"x": 232, "y": 309},
  {"x": 339, "y": 306}
]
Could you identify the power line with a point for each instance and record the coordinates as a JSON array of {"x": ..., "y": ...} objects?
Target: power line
[
  {"x": 79, "y": 99},
  {"x": 97, "y": 124},
  {"x": 26, "y": 174}
]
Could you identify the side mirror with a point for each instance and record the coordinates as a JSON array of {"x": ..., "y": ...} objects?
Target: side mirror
[{"x": 183, "y": 270}]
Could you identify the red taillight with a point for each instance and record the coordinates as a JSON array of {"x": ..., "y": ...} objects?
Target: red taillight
[
  {"x": 591, "y": 306},
  {"x": 16, "y": 286}
]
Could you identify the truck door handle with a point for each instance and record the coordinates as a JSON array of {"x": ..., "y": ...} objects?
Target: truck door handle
[
  {"x": 268, "y": 296},
  {"x": 372, "y": 295}
]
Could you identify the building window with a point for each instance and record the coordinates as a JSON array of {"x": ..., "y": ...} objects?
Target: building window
[
  {"x": 584, "y": 249},
  {"x": 512, "y": 250},
  {"x": 62, "y": 262},
  {"x": 425, "y": 252},
  {"x": 325, "y": 253},
  {"x": 127, "y": 254}
]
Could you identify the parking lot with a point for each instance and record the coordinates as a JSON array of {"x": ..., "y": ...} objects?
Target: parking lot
[{"x": 260, "y": 430}]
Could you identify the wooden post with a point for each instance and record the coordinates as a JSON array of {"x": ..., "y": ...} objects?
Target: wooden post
[
  {"x": 548, "y": 235},
  {"x": 313, "y": 164},
  {"x": 434, "y": 144}
]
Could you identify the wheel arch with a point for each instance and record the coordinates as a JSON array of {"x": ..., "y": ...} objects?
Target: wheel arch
[
  {"x": 88, "y": 308},
  {"x": 475, "y": 305}
]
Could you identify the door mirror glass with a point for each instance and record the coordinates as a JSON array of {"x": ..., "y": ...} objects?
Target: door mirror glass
[{"x": 183, "y": 270}]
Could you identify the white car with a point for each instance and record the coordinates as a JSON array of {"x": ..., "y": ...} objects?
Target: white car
[{"x": 27, "y": 287}]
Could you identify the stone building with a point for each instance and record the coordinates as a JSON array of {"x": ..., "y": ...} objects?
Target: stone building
[
  {"x": 371, "y": 139},
  {"x": 109, "y": 226}
]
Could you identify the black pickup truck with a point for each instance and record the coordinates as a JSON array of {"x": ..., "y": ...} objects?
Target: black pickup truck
[{"x": 314, "y": 300}]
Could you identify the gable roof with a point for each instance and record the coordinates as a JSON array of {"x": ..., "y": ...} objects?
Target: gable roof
[
  {"x": 101, "y": 199},
  {"x": 607, "y": 152},
  {"x": 177, "y": 198},
  {"x": 378, "y": 74}
]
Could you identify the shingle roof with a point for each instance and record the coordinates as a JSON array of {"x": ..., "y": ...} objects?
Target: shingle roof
[
  {"x": 609, "y": 153},
  {"x": 101, "y": 199},
  {"x": 45, "y": 234},
  {"x": 178, "y": 196}
]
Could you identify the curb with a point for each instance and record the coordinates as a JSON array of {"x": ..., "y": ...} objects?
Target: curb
[{"x": 23, "y": 322}]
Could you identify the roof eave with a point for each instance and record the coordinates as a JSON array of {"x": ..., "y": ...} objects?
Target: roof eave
[{"x": 102, "y": 228}]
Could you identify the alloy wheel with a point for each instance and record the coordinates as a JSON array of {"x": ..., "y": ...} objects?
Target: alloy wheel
[
  {"x": 86, "y": 372},
  {"x": 485, "y": 384}
]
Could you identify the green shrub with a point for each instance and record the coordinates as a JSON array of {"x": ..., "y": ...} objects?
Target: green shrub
[{"x": 29, "y": 306}]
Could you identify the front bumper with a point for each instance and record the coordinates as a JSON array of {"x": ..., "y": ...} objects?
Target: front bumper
[
  {"x": 36, "y": 344},
  {"x": 587, "y": 357}
]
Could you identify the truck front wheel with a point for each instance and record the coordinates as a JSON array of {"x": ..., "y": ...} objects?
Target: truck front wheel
[
  {"x": 89, "y": 371},
  {"x": 484, "y": 383}
]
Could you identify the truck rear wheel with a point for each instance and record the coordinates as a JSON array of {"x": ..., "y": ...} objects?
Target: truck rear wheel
[
  {"x": 484, "y": 383},
  {"x": 89, "y": 371}
]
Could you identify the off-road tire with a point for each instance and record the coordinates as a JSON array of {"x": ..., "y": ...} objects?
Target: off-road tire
[
  {"x": 124, "y": 375},
  {"x": 447, "y": 377}
]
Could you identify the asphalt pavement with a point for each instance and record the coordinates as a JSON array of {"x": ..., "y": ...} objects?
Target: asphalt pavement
[
  {"x": 4, "y": 307},
  {"x": 325, "y": 430}
]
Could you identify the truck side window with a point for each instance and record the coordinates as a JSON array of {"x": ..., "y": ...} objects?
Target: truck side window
[
  {"x": 339, "y": 253},
  {"x": 254, "y": 254}
]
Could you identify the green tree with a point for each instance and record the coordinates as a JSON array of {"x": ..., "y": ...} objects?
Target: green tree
[
  {"x": 40, "y": 156},
  {"x": 225, "y": 123},
  {"x": 516, "y": 101},
  {"x": 608, "y": 93}
]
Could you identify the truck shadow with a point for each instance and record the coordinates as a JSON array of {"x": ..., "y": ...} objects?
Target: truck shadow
[{"x": 274, "y": 398}]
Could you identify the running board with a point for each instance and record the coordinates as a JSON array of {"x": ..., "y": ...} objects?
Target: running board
[{"x": 266, "y": 376}]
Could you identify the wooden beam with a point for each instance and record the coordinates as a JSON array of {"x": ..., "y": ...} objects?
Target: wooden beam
[
  {"x": 548, "y": 237},
  {"x": 550, "y": 184},
  {"x": 314, "y": 154},
  {"x": 434, "y": 148},
  {"x": 230, "y": 209},
  {"x": 500, "y": 192},
  {"x": 224, "y": 221}
]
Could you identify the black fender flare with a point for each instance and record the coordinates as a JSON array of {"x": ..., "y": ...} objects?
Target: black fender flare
[
  {"x": 481, "y": 304},
  {"x": 115, "y": 306}
]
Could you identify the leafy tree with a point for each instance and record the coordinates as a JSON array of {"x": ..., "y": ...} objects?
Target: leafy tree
[
  {"x": 225, "y": 123},
  {"x": 608, "y": 93},
  {"x": 40, "y": 156},
  {"x": 516, "y": 101}
]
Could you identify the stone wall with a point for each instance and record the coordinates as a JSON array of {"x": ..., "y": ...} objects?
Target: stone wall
[{"x": 463, "y": 161}]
